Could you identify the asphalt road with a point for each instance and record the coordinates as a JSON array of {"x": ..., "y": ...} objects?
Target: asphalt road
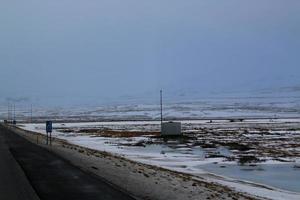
[
  {"x": 50, "y": 176},
  {"x": 13, "y": 182}
]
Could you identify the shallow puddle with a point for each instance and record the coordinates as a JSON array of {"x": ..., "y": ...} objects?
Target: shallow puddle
[{"x": 282, "y": 176}]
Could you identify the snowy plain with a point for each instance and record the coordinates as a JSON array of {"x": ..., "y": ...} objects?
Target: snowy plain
[{"x": 191, "y": 159}]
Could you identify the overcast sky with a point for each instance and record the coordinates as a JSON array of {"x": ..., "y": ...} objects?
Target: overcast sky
[{"x": 66, "y": 49}]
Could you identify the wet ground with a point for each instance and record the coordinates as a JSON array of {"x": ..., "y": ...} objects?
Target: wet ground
[
  {"x": 265, "y": 151},
  {"x": 52, "y": 177},
  {"x": 283, "y": 176}
]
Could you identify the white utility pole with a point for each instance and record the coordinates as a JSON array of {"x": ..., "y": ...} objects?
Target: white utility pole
[
  {"x": 7, "y": 111},
  {"x": 14, "y": 112},
  {"x": 31, "y": 113},
  {"x": 161, "y": 108}
]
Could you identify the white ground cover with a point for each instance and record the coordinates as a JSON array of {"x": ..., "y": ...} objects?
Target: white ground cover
[
  {"x": 219, "y": 106},
  {"x": 181, "y": 159}
]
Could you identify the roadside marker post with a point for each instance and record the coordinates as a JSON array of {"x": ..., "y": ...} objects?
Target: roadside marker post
[
  {"x": 49, "y": 131},
  {"x": 161, "y": 109}
]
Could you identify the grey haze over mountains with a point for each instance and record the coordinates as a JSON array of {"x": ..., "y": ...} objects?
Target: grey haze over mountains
[{"x": 62, "y": 52}]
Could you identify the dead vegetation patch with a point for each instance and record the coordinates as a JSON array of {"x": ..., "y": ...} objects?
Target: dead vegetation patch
[
  {"x": 248, "y": 159},
  {"x": 103, "y": 132}
]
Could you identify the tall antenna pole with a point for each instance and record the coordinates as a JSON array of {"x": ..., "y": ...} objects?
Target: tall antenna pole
[
  {"x": 161, "y": 108},
  {"x": 11, "y": 112},
  {"x": 8, "y": 111},
  {"x": 31, "y": 113},
  {"x": 14, "y": 112}
]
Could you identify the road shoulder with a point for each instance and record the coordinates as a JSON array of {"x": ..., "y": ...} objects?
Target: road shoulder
[{"x": 14, "y": 184}]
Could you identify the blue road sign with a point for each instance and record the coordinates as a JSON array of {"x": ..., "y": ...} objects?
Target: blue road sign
[{"x": 49, "y": 126}]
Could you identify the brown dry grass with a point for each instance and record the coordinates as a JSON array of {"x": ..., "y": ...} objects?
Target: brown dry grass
[{"x": 110, "y": 133}]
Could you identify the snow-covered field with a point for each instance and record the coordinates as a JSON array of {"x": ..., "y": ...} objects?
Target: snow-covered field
[
  {"x": 262, "y": 151},
  {"x": 219, "y": 107}
]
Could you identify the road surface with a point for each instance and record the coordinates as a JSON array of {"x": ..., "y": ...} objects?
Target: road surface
[{"x": 50, "y": 176}]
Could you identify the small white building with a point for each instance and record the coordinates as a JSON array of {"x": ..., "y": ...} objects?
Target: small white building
[{"x": 171, "y": 129}]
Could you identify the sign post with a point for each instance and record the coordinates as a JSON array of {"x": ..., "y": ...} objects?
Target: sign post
[{"x": 49, "y": 131}]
